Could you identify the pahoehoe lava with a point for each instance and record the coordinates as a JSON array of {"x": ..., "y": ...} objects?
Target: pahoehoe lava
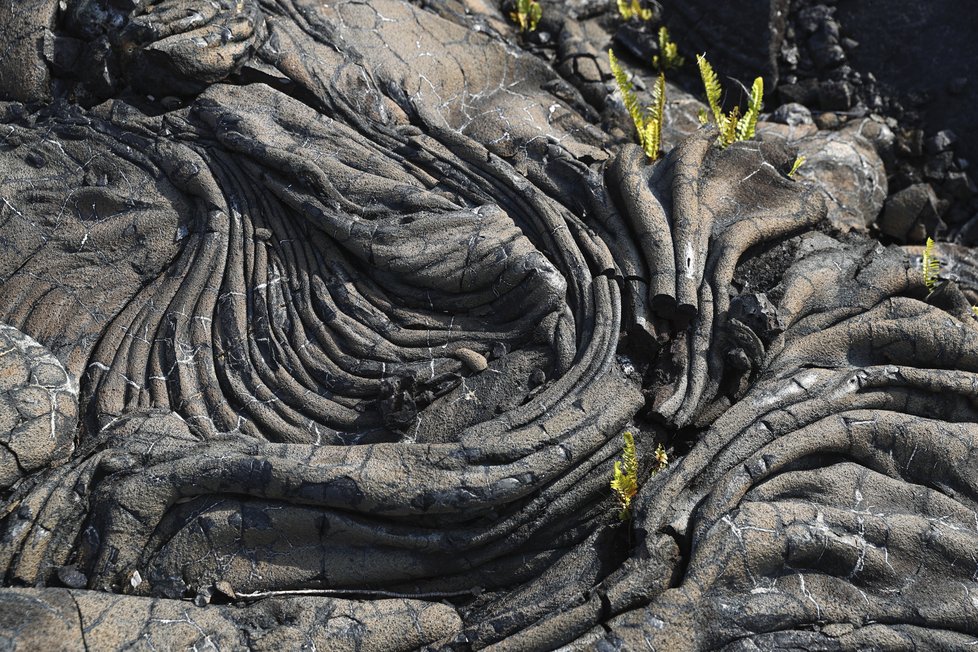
[{"x": 320, "y": 324}]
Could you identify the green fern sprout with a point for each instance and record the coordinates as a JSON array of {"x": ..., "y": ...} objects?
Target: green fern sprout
[
  {"x": 652, "y": 140},
  {"x": 626, "y": 89},
  {"x": 668, "y": 57},
  {"x": 733, "y": 126},
  {"x": 629, "y": 9},
  {"x": 799, "y": 161},
  {"x": 625, "y": 480},
  {"x": 931, "y": 265},
  {"x": 747, "y": 126},
  {"x": 648, "y": 125},
  {"x": 713, "y": 90},
  {"x": 527, "y": 15},
  {"x": 728, "y": 131},
  {"x": 661, "y": 458}
]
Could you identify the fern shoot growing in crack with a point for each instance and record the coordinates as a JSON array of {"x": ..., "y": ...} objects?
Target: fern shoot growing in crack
[
  {"x": 625, "y": 480},
  {"x": 629, "y": 9},
  {"x": 931, "y": 266},
  {"x": 799, "y": 161},
  {"x": 732, "y": 126},
  {"x": 668, "y": 57},
  {"x": 648, "y": 124},
  {"x": 527, "y": 15}
]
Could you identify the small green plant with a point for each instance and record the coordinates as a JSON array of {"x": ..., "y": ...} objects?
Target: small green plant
[
  {"x": 661, "y": 458},
  {"x": 629, "y": 9},
  {"x": 668, "y": 57},
  {"x": 625, "y": 481},
  {"x": 647, "y": 124},
  {"x": 799, "y": 161},
  {"x": 931, "y": 266},
  {"x": 732, "y": 126},
  {"x": 527, "y": 15}
]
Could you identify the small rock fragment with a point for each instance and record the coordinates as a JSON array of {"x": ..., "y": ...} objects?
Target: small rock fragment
[
  {"x": 498, "y": 351},
  {"x": 203, "y": 597},
  {"x": 792, "y": 114},
  {"x": 828, "y": 120},
  {"x": 836, "y": 95},
  {"x": 474, "y": 361},
  {"x": 537, "y": 377},
  {"x": 904, "y": 213},
  {"x": 960, "y": 185},
  {"x": 968, "y": 235},
  {"x": 942, "y": 141},
  {"x": 71, "y": 577},
  {"x": 224, "y": 587}
]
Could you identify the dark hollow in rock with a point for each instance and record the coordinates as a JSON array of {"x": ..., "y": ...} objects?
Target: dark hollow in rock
[
  {"x": 916, "y": 47},
  {"x": 748, "y": 33},
  {"x": 335, "y": 346}
]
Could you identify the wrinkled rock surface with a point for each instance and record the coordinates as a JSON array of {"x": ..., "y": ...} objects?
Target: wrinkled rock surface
[
  {"x": 332, "y": 346},
  {"x": 845, "y": 165}
]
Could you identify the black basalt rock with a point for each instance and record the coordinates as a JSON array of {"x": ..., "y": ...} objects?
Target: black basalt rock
[
  {"x": 321, "y": 323},
  {"x": 746, "y": 36},
  {"x": 936, "y": 46}
]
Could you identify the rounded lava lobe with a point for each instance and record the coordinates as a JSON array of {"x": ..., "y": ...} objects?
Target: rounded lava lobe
[
  {"x": 348, "y": 304},
  {"x": 39, "y": 408}
]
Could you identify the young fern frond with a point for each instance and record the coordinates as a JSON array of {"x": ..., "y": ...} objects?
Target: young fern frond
[
  {"x": 527, "y": 15},
  {"x": 931, "y": 265},
  {"x": 652, "y": 144},
  {"x": 728, "y": 132},
  {"x": 661, "y": 458},
  {"x": 799, "y": 161},
  {"x": 668, "y": 56},
  {"x": 745, "y": 130},
  {"x": 625, "y": 481},
  {"x": 732, "y": 126},
  {"x": 647, "y": 139},
  {"x": 713, "y": 89},
  {"x": 648, "y": 127},
  {"x": 629, "y": 9},
  {"x": 627, "y": 91}
]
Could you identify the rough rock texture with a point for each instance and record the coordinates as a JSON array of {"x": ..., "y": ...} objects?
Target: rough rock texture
[
  {"x": 907, "y": 212},
  {"x": 23, "y": 73},
  {"x": 846, "y": 166},
  {"x": 38, "y": 408},
  {"x": 358, "y": 313},
  {"x": 58, "y": 619},
  {"x": 850, "y": 172},
  {"x": 931, "y": 68}
]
